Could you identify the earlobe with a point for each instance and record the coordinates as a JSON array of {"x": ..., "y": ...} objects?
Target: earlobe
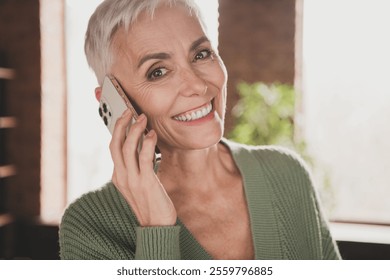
[{"x": 98, "y": 93}]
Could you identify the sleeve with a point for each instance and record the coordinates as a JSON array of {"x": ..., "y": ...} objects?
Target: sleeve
[
  {"x": 329, "y": 247},
  {"x": 158, "y": 243},
  {"x": 81, "y": 239},
  {"x": 89, "y": 232}
]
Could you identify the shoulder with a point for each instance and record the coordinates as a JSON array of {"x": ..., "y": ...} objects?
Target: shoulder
[
  {"x": 276, "y": 169},
  {"x": 98, "y": 205},
  {"x": 97, "y": 211},
  {"x": 273, "y": 158},
  {"x": 92, "y": 201},
  {"x": 97, "y": 225}
]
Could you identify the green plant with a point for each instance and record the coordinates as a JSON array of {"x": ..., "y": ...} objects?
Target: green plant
[{"x": 264, "y": 115}]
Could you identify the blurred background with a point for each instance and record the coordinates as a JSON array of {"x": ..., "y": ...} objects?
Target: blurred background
[{"x": 310, "y": 75}]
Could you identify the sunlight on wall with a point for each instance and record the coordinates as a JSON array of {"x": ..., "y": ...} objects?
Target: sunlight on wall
[
  {"x": 89, "y": 161},
  {"x": 347, "y": 101}
]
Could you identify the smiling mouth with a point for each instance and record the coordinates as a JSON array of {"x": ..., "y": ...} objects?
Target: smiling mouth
[{"x": 195, "y": 114}]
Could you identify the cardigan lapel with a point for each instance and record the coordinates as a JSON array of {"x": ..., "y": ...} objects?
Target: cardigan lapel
[
  {"x": 190, "y": 248},
  {"x": 258, "y": 190}
]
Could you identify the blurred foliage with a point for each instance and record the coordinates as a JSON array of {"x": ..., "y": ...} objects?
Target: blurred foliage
[{"x": 264, "y": 115}]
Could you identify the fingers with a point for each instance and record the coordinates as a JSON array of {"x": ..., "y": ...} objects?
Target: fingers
[
  {"x": 129, "y": 161},
  {"x": 98, "y": 93},
  {"x": 133, "y": 173},
  {"x": 118, "y": 138},
  {"x": 147, "y": 155},
  {"x": 132, "y": 142}
]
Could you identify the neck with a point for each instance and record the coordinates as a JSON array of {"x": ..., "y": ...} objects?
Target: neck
[{"x": 186, "y": 170}]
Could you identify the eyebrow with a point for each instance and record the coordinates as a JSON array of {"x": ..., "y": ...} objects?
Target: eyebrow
[
  {"x": 193, "y": 47},
  {"x": 198, "y": 42},
  {"x": 153, "y": 56}
]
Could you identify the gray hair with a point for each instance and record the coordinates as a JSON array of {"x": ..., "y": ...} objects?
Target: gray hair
[{"x": 111, "y": 15}]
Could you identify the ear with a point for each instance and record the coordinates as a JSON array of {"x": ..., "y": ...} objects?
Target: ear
[{"x": 98, "y": 93}]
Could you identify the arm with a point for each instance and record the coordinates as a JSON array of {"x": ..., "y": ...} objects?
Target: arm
[
  {"x": 100, "y": 225},
  {"x": 329, "y": 250},
  {"x": 329, "y": 247}
]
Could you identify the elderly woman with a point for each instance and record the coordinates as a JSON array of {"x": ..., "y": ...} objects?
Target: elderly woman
[{"x": 208, "y": 198}]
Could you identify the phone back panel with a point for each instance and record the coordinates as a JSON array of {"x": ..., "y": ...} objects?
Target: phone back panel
[{"x": 112, "y": 104}]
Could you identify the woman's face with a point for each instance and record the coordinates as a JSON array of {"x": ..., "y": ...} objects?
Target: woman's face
[{"x": 169, "y": 68}]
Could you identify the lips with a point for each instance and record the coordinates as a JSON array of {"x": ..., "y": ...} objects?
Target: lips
[{"x": 196, "y": 114}]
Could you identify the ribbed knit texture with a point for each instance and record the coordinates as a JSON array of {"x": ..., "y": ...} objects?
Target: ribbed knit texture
[{"x": 285, "y": 216}]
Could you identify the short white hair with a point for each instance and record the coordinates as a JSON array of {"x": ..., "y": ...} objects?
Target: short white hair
[{"x": 111, "y": 15}]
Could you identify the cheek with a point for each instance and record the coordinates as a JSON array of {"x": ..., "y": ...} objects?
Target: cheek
[
  {"x": 223, "y": 76},
  {"x": 216, "y": 74},
  {"x": 156, "y": 106},
  {"x": 220, "y": 80},
  {"x": 154, "y": 101}
]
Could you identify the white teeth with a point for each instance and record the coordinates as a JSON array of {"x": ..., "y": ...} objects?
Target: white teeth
[{"x": 195, "y": 115}]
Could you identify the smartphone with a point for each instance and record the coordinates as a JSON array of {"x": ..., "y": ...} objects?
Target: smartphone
[{"x": 113, "y": 103}]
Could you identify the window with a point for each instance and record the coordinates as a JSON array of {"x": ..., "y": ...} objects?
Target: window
[{"x": 346, "y": 105}]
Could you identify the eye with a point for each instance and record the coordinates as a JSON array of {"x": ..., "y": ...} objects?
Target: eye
[
  {"x": 157, "y": 73},
  {"x": 203, "y": 55}
]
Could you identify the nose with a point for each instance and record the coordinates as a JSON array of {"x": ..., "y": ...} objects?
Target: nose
[{"x": 192, "y": 83}]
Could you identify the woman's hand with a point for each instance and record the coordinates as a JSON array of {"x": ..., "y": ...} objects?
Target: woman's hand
[{"x": 134, "y": 175}]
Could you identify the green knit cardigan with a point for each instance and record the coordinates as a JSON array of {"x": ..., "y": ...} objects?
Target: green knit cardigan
[{"x": 286, "y": 220}]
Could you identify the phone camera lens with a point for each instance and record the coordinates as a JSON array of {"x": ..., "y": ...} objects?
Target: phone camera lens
[
  {"x": 105, "y": 120},
  {"x": 104, "y": 107},
  {"x": 100, "y": 112}
]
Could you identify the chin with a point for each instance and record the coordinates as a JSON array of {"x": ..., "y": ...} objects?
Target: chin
[
  {"x": 204, "y": 141},
  {"x": 192, "y": 141}
]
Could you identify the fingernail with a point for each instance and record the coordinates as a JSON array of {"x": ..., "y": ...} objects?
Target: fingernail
[
  {"x": 151, "y": 133},
  {"x": 141, "y": 118},
  {"x": 126, "y": 112}
]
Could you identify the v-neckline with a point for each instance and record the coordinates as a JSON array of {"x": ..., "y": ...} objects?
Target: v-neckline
[
  {"x": 190, "y": 246},
  {"x": 256, "y": 186}
]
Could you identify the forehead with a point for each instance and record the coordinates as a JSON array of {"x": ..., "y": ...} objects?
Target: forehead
[{"x": 166, "y": 27}]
